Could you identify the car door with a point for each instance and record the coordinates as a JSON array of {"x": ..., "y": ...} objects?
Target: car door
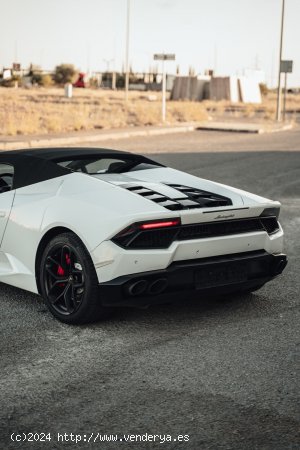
[{"x": 6, "y": 195}]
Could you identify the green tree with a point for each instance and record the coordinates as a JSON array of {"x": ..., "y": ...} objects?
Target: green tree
[{"x": 65, "y": 73}]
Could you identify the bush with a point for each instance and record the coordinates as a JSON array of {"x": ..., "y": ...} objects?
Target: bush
[
  {"x": 263, "y": 89},
  {"x": 46, "y": 80},
  {"x": 36, "y": 78},
  {"x": 41, "y": 80},
  {"x": 94, "y": 82},
  {"x": 65, "y": 73},
  {"x": 10, "y": 82}
]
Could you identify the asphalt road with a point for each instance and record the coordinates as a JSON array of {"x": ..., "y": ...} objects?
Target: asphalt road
[{"x": 223, "y": 372}]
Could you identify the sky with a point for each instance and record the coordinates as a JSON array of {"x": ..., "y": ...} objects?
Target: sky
[{"x": 225, "y": 35}]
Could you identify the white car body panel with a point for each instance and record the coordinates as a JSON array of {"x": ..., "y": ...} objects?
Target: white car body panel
[
  {"x": 6, "y": 202},
  {"x": 96, "y": 209},
  {"x": 111, "y": 261}
]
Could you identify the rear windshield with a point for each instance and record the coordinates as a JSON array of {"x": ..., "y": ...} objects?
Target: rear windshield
[{"x": 94, "y": 166}]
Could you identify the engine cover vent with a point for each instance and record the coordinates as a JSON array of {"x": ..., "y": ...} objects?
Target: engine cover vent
[{"x": 188, "y": 197}]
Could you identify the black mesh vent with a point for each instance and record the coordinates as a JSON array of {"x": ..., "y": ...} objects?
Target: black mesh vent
[
  {"x": 153, "y": 239},
  {"x": 224, "y": 228},
  {"x": 188, "y": 198},
  {"x": 270, "y": 224},
  {"x": 202, "y": 198}
]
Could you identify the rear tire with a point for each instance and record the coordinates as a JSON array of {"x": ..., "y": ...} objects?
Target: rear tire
[{"x": 69, "y": 283}]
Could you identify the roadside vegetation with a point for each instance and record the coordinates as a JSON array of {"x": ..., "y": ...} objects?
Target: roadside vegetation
[
  {"x": 47, "y": 110},
  {"x": 42, "y": 110}
]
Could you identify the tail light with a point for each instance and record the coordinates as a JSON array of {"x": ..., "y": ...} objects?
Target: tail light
[
  {"x": 163, "y": 224},
  {"x": 150, "y": 234},
  {"x": 271, "y": 212}
]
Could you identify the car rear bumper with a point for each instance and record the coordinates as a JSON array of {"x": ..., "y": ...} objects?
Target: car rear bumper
[{"x": 206, "y": 276}]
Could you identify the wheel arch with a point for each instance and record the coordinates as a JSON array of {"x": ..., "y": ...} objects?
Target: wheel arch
[{"x": 50, "y": 234}]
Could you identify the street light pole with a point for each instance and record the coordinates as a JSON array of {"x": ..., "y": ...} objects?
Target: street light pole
[
  {"x": 164, "y": 57},
  {"x": 127, "y": 52},
  {"x": 278, "y": 109}
]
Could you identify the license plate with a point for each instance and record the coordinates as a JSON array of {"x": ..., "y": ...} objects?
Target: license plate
[{"x": 219, "y": 276}]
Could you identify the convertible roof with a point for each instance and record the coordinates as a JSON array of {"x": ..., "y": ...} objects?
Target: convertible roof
[
  {"x": 53, "y": 153},
  {"x": 35, "y": 165}
]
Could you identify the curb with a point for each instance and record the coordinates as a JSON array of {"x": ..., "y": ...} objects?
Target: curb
[
  {"x": 231, "y": 130},
  {"x": 49, "y": 142},
  {"x": 283, "y": 128},
  {"x": 33, "y": 143},
  {"x": 244, "y": 129}
]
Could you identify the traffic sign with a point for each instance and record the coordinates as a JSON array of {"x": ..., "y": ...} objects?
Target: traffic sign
[
  {"x": 286, "y": 66},
  {"x": 164, "y": 57}
]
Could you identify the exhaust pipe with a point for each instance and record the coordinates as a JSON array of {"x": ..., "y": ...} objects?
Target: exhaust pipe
[
  {"x": 138, "y": 287},
  {"x": 158, "y": 286}
]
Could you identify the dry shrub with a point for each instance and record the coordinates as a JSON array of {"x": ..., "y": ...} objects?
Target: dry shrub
[
  {"x": 30, "y": 111},
  {"x": 249, "y": 110},
  {"x": 46, "y": 110},
  {"x": 187, "y": 112},
  {"x": 140, "y": 113},
  {"x": 46, "y": 80}
]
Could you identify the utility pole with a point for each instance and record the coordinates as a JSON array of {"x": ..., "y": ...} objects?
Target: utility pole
[
  {"x": 88, "y": 48},
  {"x": 284, "y": 98},
  {"x": 127, "y": 51},
  {"x": 16, "y": 51},
  {"x": 278, "y": 108},
  {"x": 108, "y": 61},
  {"x": 215, "y": 59},
  {"x": 163, "y": 86}
]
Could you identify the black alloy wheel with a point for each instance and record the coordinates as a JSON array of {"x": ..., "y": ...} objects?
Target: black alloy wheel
[
  {"x": 68, "y": 281},
  {"x": 64, "y": 279}
]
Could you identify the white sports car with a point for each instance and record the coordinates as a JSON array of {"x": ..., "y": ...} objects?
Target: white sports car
[{"x": 89, "y": 229}]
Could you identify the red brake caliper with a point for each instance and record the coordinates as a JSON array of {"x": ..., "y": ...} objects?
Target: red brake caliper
[{"x": 60, "y": 270}]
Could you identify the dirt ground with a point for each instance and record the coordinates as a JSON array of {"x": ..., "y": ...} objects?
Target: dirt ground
[{"x": 47, "y": 110}]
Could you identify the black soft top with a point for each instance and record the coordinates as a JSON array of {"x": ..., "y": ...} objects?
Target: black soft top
[
  {"x": 54, "y": 154},
  {"x": 35, "y": 165}
]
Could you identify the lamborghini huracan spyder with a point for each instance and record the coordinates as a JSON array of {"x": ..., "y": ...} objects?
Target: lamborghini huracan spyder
[{"x": 89, "y": 229}]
